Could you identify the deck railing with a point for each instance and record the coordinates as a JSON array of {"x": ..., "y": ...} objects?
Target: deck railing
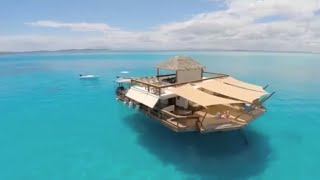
[{"x": 158, "y": 87}]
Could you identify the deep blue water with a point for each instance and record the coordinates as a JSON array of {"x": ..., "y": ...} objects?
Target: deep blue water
[{"x": 54, "y": 126}]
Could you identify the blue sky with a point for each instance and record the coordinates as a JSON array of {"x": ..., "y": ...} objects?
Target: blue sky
[
  {"x": 130, "y": 15},
  {"x": 276, "y": 25}
]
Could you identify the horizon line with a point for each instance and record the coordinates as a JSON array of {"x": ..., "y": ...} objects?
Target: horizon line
[{"x": 153, "y": 50}]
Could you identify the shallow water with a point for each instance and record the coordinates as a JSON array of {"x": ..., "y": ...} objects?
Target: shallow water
[{"x": 55, "y": 126}]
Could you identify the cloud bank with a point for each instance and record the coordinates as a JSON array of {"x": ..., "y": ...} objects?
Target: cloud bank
[{"x": 268, "y": 25}]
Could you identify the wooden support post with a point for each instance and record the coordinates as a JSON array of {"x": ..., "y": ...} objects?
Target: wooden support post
[
  {"x": 243, "y": 133},
  {"x": 176, "y": 80},
  {"x": 203, "y": 118},
  {"x": 201, "y": 73},
  {"x": 177, "y": 126},
  {"x": 158, "y": 74},
  {"x": 267, "y": 97}
]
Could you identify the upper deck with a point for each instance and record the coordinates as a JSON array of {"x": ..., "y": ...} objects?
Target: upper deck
[{"x": 158, "y": 84}]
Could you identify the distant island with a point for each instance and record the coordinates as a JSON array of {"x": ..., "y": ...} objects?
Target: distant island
[{"x": 119, "y": 50}]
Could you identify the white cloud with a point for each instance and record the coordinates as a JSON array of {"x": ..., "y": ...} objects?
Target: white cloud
[
  {"x": 82, "y": 26},
  {"x": 235, "y": 27},
  {"x": 36, "y": 42},
  {"x": 258, "y": 8}
]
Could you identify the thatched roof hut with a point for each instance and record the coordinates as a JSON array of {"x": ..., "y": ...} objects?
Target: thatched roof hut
[
  {"x": 180, "y": 63},
  {"x": 186, "y": 69}
]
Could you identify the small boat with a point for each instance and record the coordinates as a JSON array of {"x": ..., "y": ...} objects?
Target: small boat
[{"x": 89, "y": 76}]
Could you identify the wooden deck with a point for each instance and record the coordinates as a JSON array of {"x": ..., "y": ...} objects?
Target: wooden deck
[{"x": 200, "y": 120}]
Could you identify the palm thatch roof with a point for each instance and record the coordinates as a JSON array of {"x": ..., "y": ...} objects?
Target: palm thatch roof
[{"x": 180, "y": 63}]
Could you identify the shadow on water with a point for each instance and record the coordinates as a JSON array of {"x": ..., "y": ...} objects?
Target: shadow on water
[{"x": 208, "y": 156}]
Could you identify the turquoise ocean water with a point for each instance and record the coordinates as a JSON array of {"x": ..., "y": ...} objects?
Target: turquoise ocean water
[{"x": 54, "y": 126}]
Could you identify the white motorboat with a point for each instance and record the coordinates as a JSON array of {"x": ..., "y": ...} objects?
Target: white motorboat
[{"x": 89, "y": 76}]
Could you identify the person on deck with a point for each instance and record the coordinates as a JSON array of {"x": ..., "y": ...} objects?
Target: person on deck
[
  {"x": 226, "y": 114},
  {"x": 218, "y": 115}
]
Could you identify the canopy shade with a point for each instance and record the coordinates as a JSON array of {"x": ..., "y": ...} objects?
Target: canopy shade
[
  {"x": 231, "y": 91},
  {"x": 234, "y": 82},
  {"x": 180, "y": 63},
  {"x": 204, "y": 99},
  {"x": 145, "y": 98}
]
